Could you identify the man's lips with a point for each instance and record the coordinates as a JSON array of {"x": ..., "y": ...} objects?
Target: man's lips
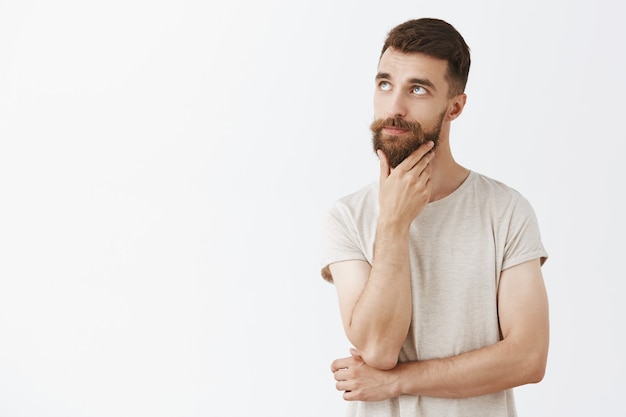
[{"x": 394, "y": 131}]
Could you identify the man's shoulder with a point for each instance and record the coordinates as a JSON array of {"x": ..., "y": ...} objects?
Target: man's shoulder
[
  {"x": 368, "y": 191},
  {"x": 363, "y": 201},
  {"x": 490, "y": 185},
  {"x": 497, "y": 194}
]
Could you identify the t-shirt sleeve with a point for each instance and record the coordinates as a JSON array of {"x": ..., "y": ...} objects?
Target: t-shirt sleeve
[
  {"x": 523, "y": 241},
  {"x": 340, "y": 240}
]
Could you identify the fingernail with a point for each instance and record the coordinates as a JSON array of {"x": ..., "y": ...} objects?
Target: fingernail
[{"x": 431, "y": 143}]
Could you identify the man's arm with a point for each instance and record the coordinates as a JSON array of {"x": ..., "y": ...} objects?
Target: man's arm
[
  {"x": 518, "y": 359},
  {"x": 375, "y": 301}
]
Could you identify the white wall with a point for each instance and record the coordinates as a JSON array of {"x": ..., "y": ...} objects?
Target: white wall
[{"x": 164, "y": 165}]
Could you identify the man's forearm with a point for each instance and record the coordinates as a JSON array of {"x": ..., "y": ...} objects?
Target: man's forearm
[
  {"x": 382, "y": 315},
  {"x": 484, "y": 371}
]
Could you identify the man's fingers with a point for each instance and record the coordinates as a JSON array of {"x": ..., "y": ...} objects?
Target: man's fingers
[
  {"x": 412, "y": 160},
  {"x": 343, "y": 386},
  {"x": 339, "y": 364},
  {"x": 384, "y": 164},
  {"x": 341, "y": 375},
  {"x": 422, "y": 166}
]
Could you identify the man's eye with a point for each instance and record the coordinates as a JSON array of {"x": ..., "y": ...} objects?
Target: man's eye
[
  {"x": 385, "y": 86},
  {"x": 418, "y": 90}
]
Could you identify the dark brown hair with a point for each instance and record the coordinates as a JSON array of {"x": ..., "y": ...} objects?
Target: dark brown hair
[{"x": 438, "y": 39}]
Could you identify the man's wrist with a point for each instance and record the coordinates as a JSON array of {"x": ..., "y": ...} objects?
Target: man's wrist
[
  {"x": 391, "y": 228},
  {"x": 400, "y": 373}
]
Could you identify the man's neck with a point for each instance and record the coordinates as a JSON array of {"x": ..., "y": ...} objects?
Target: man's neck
[{"x": 447, "y": 175}]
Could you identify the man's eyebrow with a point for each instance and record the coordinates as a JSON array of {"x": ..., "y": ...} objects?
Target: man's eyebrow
[
  {"x": 424, "y": 82},
  {"x": 420, "y": 81}
]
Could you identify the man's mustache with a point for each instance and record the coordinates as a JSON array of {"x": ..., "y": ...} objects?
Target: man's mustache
[{"x": 378, "y": 125}]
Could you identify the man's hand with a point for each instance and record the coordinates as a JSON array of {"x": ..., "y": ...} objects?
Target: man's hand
[
  {"x": 405, "y": 190},
  {"x": 361, "y": 382}
]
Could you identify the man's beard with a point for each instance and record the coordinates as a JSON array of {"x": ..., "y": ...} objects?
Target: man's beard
[{"x": 397, "y": 148}]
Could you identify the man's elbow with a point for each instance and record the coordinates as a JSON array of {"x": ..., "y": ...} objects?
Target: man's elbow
[
  {"x": 535, "y": 368},
  {"x": 379, "y": 359},
  {"x": 537, "y": 373},
  {"x": 378, "y": 351}
]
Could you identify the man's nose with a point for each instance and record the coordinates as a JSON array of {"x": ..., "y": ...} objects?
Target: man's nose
[{"x": 397, "y": 106}]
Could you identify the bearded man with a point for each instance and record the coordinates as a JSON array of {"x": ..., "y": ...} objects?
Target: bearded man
[{"x": 437, "y": 267}]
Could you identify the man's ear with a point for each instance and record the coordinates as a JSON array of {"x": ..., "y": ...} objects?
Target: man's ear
[{"x": 456, "y": 106}]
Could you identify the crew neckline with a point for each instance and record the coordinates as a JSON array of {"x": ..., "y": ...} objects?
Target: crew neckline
[{"x": 459, "y": 190}]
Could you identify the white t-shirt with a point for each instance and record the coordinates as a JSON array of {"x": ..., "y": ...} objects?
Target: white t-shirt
[{"x": 458, "y": 247}]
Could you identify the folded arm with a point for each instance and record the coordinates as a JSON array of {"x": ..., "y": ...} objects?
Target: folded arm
[
  {"x": 375, "y": 302},
  {"x": 518, "y": 359}
]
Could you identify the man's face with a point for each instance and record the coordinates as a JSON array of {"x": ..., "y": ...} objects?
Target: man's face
[{"x": 410, "y": 103}]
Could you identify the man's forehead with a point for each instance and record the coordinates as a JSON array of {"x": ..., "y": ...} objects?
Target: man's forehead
[{"x": 412, "y": 65}]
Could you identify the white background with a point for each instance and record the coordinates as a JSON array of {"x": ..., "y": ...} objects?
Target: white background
[{"x": 164, "y": 166}]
